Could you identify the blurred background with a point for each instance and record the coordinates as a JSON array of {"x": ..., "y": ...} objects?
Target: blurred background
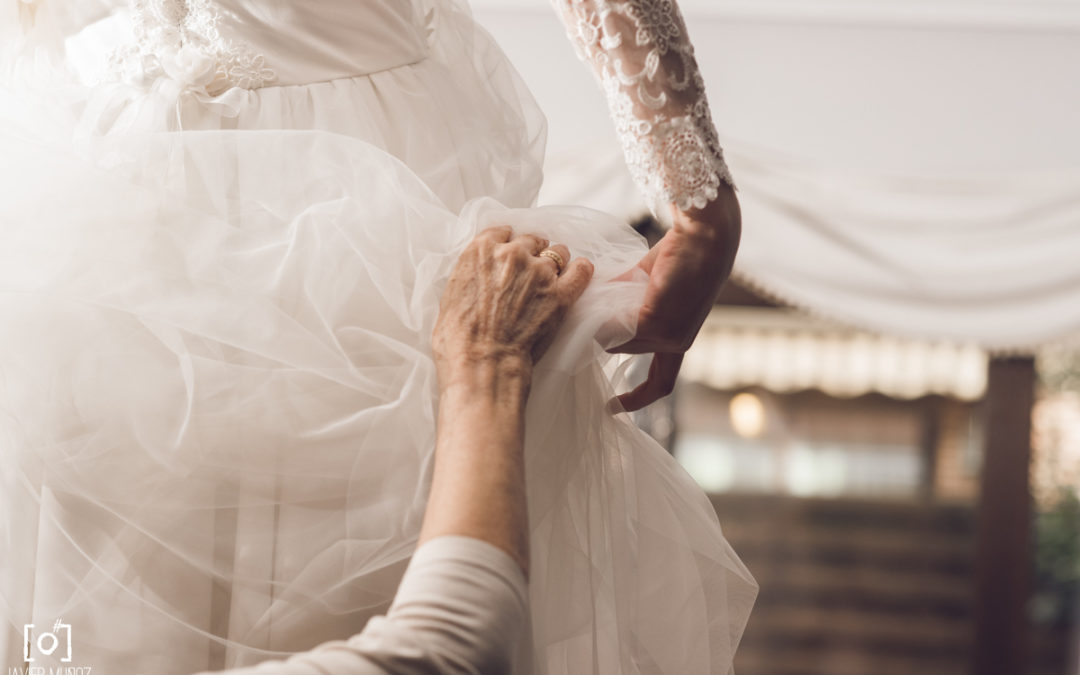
[{"x": 884, "y": 405}]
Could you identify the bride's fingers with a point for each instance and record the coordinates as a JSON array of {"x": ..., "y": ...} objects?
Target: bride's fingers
[
  {"x": 646, "y": 264},
  {"x": 636, "y": 346},
  {"x": 663, "y": 372},
  {"x": 645, "y": 344},
  {"x": 661, "y": 333},
  {"x": 645, "y": 340}
]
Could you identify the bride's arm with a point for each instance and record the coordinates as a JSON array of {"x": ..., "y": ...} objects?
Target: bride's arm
[{"x": 641, "y": 54}]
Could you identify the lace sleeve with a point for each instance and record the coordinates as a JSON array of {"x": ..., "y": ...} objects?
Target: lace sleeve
[{"x": 642, "y": 56}]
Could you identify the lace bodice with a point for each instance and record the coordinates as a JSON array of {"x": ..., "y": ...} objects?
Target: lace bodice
[
  {"x": 642, "y": 56},
  {"x": 209, "y": 46},
  {"x": 182, "y": 40}
]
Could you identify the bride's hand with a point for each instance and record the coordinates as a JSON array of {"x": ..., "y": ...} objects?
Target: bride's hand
[
  {"x": 503, "y": 304},
  {"x": 686, "y": 269}
]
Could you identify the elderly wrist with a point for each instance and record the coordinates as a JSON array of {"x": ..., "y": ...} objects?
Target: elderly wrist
[{"x": 502, "y": 375}]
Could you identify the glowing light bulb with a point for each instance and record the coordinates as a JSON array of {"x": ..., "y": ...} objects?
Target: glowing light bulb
[{"x": 747, "y": 414}]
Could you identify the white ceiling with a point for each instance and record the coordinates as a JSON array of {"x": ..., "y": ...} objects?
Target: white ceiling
[
  {"x": 1055, "y": 14},
  {"x": 876, "y": 85}
]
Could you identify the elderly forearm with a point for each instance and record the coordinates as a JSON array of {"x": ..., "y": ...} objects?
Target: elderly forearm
[
  {"x": 478, "y": 487},
  {"x": 460, "y": 609},
  {"x": 462, "y": 604}
]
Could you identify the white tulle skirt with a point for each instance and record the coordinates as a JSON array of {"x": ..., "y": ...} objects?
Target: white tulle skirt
[{"x": 217, "y": 396}]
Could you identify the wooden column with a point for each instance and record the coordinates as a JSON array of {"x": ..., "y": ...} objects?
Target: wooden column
[
  {"x": 1003, "y": 529},
  {"x": 931, "y": 435}
]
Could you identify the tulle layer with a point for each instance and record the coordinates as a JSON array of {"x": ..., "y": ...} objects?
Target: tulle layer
[
  {"x": 217, "y": 399},
  {"x": 218, "y": 414}
]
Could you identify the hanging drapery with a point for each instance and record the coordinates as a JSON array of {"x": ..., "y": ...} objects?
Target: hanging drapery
[{"x": 991, "y": 259}]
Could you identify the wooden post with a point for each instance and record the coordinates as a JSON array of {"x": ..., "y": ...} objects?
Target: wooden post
[
  {"x": 931, "y": 432},
  {"x": 1003, "y": 530}
]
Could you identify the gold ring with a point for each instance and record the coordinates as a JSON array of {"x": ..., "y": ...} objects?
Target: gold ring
[{"x": 559, "y": 262}]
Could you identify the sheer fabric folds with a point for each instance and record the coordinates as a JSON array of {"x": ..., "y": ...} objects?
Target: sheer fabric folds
[{"x": 216, "y": 390}]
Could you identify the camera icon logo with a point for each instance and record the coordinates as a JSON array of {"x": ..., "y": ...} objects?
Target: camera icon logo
[{"x": 56, "y": 642}]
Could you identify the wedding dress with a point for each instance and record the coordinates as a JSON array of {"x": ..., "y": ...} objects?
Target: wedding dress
[{"x": 224, "y": 230}]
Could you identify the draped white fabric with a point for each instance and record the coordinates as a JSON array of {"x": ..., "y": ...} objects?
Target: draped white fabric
[{"x": 990, "y": 259}]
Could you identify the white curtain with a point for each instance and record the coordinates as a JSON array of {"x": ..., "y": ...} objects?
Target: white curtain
[{"x": 991, "y": 258}]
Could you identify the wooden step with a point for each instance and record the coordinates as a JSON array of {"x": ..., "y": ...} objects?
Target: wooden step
[
  {"x": 905, "y": 516},
  {"x": 843, "y": 662},
  {"x": 795, "y": 538},
  {"x": 864, "y": 588},
  {"x": 821, "y": 629}
]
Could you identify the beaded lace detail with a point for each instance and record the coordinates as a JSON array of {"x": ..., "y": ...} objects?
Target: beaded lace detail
[
  {"x": 640, "y": 51},
  {"x": 181, "y": 40}
]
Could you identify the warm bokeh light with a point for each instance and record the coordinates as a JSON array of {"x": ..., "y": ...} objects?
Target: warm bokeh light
[{"x": 747, "y": 415}]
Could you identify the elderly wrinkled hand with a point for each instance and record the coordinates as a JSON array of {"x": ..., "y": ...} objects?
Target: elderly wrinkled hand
[{"x": 505, "y": 300}]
